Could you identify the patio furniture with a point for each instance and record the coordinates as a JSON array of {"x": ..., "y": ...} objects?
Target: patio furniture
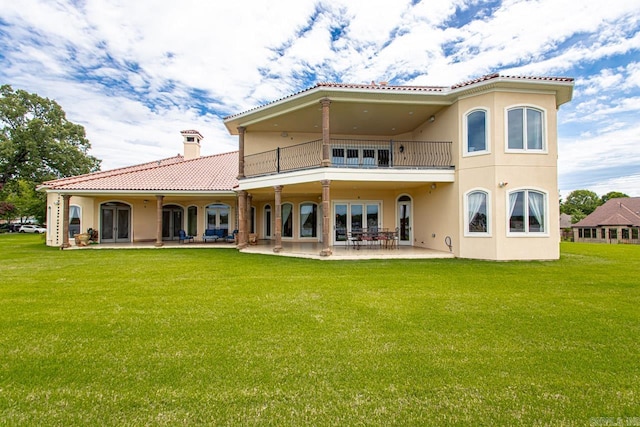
[
  {"x": 231, "y": 238},
  {"x": 212, "y": 234},
  {"x": 353, "y": 239},
  {"x": 184, "y": 237},
  {"x": 371, "y": 237}
]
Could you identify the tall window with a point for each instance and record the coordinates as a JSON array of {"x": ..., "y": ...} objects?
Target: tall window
[
  {"x": 74, "y": 220},
  {"x": 267, "y": 221},
  {"x": 287, "y": 220},
  {"x": 252, "y": 220},
  {"x": 527, "y": 211},
  {"x": 192, "y": 220},
  {"x": 476, "y": 132},
  {"x": 477, "y": 213},
  {"x": 525, "y": 129},
  {"x": 308, "y": 220}
]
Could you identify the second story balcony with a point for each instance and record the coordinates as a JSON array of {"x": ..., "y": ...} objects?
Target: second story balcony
[{"x": 351, "y": 153}]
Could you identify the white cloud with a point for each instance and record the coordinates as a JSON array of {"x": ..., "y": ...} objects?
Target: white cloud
[{"x": 128, "y": 70}]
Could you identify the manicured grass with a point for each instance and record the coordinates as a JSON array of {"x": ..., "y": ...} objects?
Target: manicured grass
[{"x": 193, "y": 336}]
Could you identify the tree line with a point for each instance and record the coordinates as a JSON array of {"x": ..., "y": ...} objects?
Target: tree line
[{"x": 37, "y": 144}]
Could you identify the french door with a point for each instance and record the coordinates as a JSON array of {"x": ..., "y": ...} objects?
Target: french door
[
  {"x": 172, "y": 222},
  {"x": 115, "y": 223},
  {"x": 354, "y": 216}
]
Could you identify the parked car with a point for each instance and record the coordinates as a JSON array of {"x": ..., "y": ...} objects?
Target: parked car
[{"x": 30, "y": 228}]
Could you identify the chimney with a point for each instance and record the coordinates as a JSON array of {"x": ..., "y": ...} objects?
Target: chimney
[{"x": 191, "y": 141}]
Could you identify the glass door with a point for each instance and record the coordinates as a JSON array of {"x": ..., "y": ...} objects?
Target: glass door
[
  {"x": 354, "y": 217},
  {"x": 404, "y": 221},
  {"x": 172, "y": 222},
  {"x": 115, "y": 223},
  {"x": 340, "y": 225}
]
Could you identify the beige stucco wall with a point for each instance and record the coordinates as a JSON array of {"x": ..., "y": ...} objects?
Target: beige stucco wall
[
  {"x": 143, "y": 215},
  {"x": 536, "y": 171}
]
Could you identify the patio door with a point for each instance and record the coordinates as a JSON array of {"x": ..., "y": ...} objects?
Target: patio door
[
  {"x": 172, "y": 222},
  {"x": 218, "y": 217},
  {"x": 115, "y": 223},
  {"x": 354, "y": 216},
  {"x": 405, "y": 231}
]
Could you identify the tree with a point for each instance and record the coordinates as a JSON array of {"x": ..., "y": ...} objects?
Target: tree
[
  {"x": 612, "y": 195},
  {"x": 7, "y": 211},
  {"x": 27, "y": 202},
  {"x": 580, "y": 202},
  {"x": 37, "y": 142}
]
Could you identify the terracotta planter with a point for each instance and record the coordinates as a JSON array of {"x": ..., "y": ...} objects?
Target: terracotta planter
[{"x": 82, "y": 239}]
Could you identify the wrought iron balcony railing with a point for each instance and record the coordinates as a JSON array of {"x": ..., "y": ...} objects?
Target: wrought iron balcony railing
[{"x": 352, "y": 153}]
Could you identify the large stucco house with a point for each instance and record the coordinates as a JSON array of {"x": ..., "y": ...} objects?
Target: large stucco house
[{"x": 470, "y": 168}]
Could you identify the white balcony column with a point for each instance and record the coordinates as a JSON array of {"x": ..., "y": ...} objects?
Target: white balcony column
[
  {"x": 326, "y": 247},
  {"x": 278, "y": 229},
  {"x": 241, "y": 132},
  {"x": 159, "y": 203},
  {"x": 65, "y": 221},
  {"x": 326, "y": 137},
  {"x": 242, "y": 219}
]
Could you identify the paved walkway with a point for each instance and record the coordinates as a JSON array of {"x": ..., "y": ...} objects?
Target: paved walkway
[{"x": 298, "y": 250}]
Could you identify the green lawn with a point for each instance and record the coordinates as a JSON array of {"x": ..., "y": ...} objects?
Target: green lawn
[{"x": 206, "y": 336}]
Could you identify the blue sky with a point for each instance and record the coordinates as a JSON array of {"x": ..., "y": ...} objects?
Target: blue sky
[{"x": 135, "y": 73}]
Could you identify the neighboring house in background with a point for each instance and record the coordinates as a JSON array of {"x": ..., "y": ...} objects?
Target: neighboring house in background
[
  {"x": 470, "y": 169},
  {"x": 148, "y": 202},
  {"x": 566, "y": 233},
  {"x": 617, "y": 221}
]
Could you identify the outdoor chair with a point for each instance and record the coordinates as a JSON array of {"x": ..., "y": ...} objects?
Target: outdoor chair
[
  {"x": 353, "y": 240},
  {"x": 184, "y": 237},
  {"x": 231, "y": 238}
]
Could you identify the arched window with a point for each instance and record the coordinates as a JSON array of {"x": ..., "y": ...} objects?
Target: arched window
[
  {"x": 308, "y": 220},
  {"x": 287, "y": 220},
  {"x": 525, "y": 129},
  {"x": 527, "y": 211},
  {"x": 75, "y": 226},
  {"x": 477, "y": 213},
  {"x": 476, "y": 132}
]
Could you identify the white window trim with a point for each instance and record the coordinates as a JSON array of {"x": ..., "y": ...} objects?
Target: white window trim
[
  {"x": 546, "y": 214},
  {"x": 468, "y": 233},
  {"x": 465, "y": 129},
  {"x": 545, "y": 148}
]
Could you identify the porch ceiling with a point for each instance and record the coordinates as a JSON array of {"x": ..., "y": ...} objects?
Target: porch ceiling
[
  {"x": 348, "y": 118},
  {"x": 315, "y": 188}
]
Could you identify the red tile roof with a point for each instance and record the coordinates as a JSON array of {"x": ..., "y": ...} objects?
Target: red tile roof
[
  {"x": 209, "y": 173},
  {"x": 623, "y": 211},
  {"x": 389, "y": 88}
]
